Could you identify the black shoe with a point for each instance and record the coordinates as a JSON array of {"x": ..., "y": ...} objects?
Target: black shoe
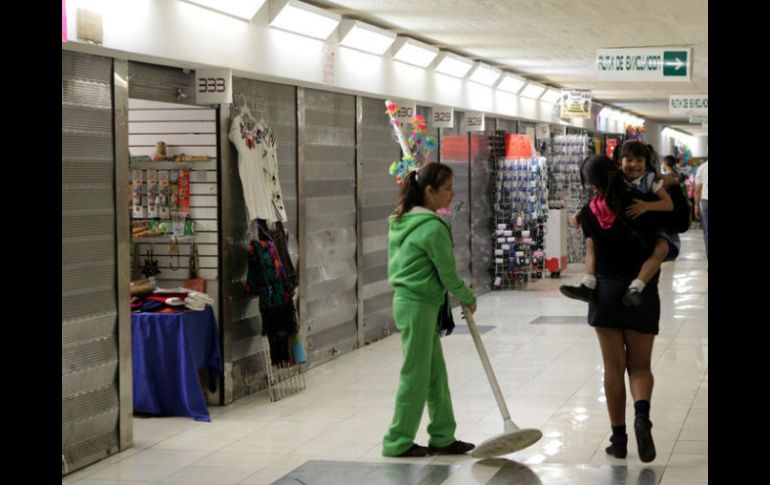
[
  {"x": 644, "y": 443},
  {"x": 581, "y": 292},
  {"x": 456, "y": 448},
  {"x": 619, "y": 446},
  {"x": 632, "y": 297},
  {"x": 414, "y": 452}
]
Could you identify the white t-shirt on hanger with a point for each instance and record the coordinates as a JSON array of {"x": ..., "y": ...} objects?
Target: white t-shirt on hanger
[{"x": 258, "y": 168}]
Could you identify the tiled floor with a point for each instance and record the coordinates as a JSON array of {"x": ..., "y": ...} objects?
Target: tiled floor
[{"x": 550, "y": 374}]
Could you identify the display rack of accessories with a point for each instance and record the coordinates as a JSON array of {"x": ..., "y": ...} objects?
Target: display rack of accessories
[
  {"x": 521, "y": 209},
  {"x": 566, "y": 191}
]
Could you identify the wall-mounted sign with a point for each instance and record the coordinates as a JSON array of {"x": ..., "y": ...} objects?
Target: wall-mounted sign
[
  {"x": 662, "y": 64},
  {"x": 90, "y": 26},
  {"x": 327, "y": 64},
  {"x": 474, "y": 121},
  {"x": 213, "y": 86},
  {"x": 694, "y": 104},
  {"x": 406, "y": 111},
  {"x": 694, "y": 119},
  {"x": 443, "y": 117},
  {"x": 575, "y": 103}
]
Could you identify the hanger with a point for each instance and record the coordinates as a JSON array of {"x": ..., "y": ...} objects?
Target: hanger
[
  {"x": 258, "y": 231},
  {"x": 244, "y": 112}
]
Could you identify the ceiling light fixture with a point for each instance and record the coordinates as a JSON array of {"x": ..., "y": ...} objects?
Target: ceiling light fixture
[
  {"x": 485, "y": 74},
  {"x": 302, "y": 18},
  {"x": 511, "y": 83},
  {"x": 453, "y": 65},
  {"x": 414, "y": 52},
  {"x": 365, "y": 37},
  {"x": 242, "y": 9}
]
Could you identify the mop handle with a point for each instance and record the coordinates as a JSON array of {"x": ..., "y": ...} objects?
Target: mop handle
[{"x": 485, "y": 361}]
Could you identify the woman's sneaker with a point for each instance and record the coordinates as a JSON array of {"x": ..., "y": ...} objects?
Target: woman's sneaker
[
  {"x": 580, "y": 292},
  {"x": 415, "y": 451},
  {"x": 456, "y": 448}
]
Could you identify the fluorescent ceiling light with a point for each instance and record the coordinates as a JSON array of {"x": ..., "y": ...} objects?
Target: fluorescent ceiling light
[
  {"x": 243, "y": 9},
  {"x": 533, "y": 90},
  {"x": 617, "y": 115},
  {"x": 364, "y": 37},
  {"x": 485, "y": 74},
  {"x": 607, "y": 112},
  {"x": 511, "y": 83},
  {"x": 414, "y": 52},
  {"x": 453, "y": 65},
  {"x": 551, "y": 96},
  {"x": 301, "y": 18}
]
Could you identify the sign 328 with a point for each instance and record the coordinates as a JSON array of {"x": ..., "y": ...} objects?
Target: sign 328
[{"x": 211, "y": 85}]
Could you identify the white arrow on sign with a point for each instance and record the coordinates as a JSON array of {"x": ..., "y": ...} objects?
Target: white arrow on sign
[{"x": 679, "y": 63}]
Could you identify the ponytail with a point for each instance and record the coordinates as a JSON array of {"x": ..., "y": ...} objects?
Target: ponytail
[{"x": 413, "y": 189}]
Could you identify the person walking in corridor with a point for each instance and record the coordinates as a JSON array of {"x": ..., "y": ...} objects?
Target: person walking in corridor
[{"x": 702, "y": 200}]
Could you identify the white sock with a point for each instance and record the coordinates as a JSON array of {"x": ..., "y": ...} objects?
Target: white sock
[
  {"x": 589, "y": 281},
  {"x": 638, "y": 285}
]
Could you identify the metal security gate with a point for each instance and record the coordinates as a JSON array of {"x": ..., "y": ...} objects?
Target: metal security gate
[
  {"x": 481, "y": 208},
  {"x": 95, "y": 409},
  {"x": 328, "y": 266},
  {"x": 378, "y": 194},
  {"x": 243, "y": 352},
  {"x": 455, "y": 153}
]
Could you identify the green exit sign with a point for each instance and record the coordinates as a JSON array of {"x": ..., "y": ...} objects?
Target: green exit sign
[{"x": 675, "y": 63}]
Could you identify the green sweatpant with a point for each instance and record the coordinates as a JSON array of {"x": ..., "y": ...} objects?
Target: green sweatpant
[{"x": 423, "y": 378}]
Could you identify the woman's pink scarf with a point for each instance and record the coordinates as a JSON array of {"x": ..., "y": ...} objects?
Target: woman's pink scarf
[{"x": 602, "y": 211}]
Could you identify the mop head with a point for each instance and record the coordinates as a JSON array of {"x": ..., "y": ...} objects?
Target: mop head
[{"x": 507, "y": 442}]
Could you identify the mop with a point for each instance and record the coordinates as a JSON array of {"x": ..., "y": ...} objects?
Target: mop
[{"x": 512, "y": 438}]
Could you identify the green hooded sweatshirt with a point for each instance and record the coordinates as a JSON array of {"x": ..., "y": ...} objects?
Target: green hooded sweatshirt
[{"x": 421, "y": 260}]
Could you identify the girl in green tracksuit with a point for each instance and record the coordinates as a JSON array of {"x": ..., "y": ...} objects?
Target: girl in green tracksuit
[{"x": 421, "y": 268}]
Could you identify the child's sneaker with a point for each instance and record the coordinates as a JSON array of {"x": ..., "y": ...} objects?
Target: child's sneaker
[
  {"x": 581, "y": 292},
  {"x": 644, "y": 443},
  {"x": 632, "y": 297}
]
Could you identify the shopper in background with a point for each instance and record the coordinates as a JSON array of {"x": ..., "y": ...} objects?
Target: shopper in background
[
  {"x": 421, "y": 268},
  {"x": 702, "y": 200},
  {"x": 626, "y": 334},
  {"x": 670, "y": 167},
  {"x": 638, "y": 169}
]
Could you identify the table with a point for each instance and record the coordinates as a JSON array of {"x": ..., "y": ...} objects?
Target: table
[{"x": 168, "y": 351}]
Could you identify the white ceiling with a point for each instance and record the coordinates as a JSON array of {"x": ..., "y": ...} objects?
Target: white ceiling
[{"x": 555, "y": 41}]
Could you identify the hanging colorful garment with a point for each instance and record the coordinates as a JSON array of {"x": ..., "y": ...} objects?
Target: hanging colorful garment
[{"x": 266, "y": 277}]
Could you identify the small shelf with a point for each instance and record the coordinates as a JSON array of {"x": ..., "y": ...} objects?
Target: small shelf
[
  {"x": 169, "y": 165},
  {"x": 166, "y": 238}
]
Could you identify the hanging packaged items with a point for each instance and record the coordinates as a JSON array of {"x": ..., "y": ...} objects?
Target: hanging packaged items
[
  {"x": 137, "y": 209},
  {"x": 174, "y": 189},
  {"x": 164, "y": 190},
  {"x": 153, "y": 197},
  {"x": 184, "y": 190}
]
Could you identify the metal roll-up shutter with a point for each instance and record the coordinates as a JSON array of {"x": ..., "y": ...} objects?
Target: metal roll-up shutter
[
  {"x": 329, "y": 273},
  {"x": 482, "y": 187},
  {"x": 455, "y": 153},
  {"x": 90, "y": 397},
  {"x": 243, "y": 348},
  {"x": 377, "y": 149}
]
